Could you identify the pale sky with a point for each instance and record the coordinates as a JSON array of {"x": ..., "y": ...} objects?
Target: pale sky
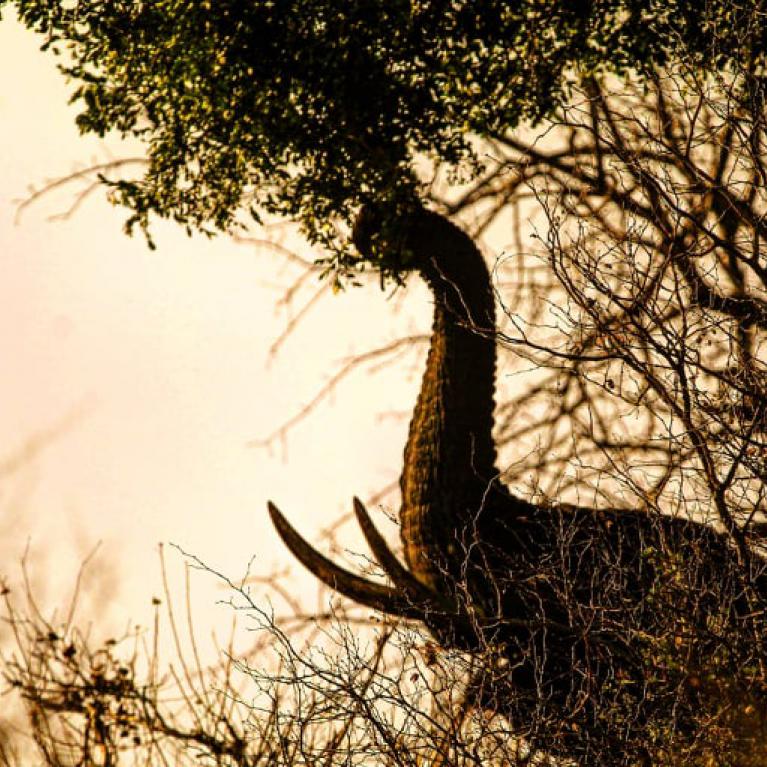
[{"x": 163, "y": 360}]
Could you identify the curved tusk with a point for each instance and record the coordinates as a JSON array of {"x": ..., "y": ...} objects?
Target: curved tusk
[
  {"x": 373, "y": 595},
  {"x": 400, "y": 576}
]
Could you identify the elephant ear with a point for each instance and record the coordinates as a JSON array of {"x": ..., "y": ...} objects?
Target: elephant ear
[{"x": 402, "y": 602}]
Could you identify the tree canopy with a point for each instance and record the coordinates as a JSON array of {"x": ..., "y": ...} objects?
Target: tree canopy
[{"x": 308, "y": 108}]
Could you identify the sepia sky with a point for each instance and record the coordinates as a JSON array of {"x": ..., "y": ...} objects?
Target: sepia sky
[{"x": 134, "y": 383}]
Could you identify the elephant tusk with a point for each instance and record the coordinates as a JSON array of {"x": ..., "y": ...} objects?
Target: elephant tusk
[
  {"x": 401, "y": 577},
  {"x": 373, "y": 595}
]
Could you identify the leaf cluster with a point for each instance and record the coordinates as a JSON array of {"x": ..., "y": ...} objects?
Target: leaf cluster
[{"x": 309, "y": 108}]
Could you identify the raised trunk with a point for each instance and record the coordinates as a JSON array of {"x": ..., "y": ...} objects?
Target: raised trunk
[{"x": 449, "y": 463}]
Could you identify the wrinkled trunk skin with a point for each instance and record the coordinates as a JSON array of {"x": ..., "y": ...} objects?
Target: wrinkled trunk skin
[
  {"x": 449, "y": 461},
  {"x": 452, "y": 500}
]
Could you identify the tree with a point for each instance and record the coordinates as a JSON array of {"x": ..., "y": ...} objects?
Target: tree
[{"x": 646, "y": 324}]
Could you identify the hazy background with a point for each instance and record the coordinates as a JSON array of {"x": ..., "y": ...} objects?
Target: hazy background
[{"x": 133, "y": 383}]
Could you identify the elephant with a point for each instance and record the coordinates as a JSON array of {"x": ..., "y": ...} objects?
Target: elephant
[{"x": 579, "y": 602}]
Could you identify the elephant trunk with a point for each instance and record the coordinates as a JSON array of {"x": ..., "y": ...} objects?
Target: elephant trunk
[{"x": 449, "y": 462}]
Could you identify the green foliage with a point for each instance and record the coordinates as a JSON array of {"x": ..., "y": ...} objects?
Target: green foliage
[{"x": 308, "y": 108}]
